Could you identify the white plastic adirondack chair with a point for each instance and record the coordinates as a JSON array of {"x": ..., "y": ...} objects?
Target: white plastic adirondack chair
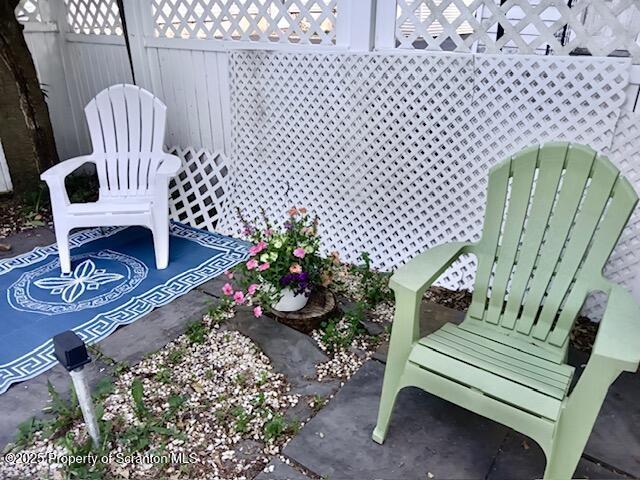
[{"x": 127, "y": 126}]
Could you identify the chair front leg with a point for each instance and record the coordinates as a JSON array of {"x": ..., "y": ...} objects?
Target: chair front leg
[
  {"x": 160, "y": 228},
  {"x": 59, "y": 205},
  {"x": 62, "y": 240},
  {"x": 406, "y": 330},
  {"x": 578, "y": 417}
]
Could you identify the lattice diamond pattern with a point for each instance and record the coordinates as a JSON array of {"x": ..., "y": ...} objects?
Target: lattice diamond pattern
[
  {"x": 528, "y": 26},
  {"x": 392, "y": 151},
  {"x": 28, "y": 11},
  {"x": 624, "y": 265},
  {"x": 524, "y": 100},
  {"x": 200, "y": 190},
  {"x": 94, "y": 17},
  {"x": 287, "y": 21},
  {"x": 346, "y": 114}
]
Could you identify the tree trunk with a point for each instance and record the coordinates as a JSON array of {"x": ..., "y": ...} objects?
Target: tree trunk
[{"x": 25, "y": 128}]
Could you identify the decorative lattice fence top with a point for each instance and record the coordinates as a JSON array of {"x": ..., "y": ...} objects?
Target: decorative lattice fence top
[
  {"x": 28, "y": 11},
  {"x": 94, "y": 17},
  {"x": 597, "y": 27},
  {"x": 286, "y": 21}
]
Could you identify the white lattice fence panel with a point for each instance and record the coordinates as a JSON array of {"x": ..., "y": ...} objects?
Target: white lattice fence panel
[
  {"x": 333, "y": 132},
  {"x": 28, "y": 11},
  {"x": 526, "y": 26},
  {"x": 94, "y": 17},
  {"x": 392, "y": 151},
  {"x": 525, "y": 100},
  {"x": 624, "y": 265},
  {"x": 200, "y": 190},
  {"x": 287, "y": 21}
]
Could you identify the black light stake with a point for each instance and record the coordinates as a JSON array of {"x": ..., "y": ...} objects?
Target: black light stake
[{"x": 72, "y": 354}]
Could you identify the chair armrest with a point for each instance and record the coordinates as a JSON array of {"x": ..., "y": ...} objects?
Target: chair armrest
[
  {"x": 421, "y": 271},
  {"x": 55, "y": 176},
  {"x": 409, "y": 283},
  {"x": 618, "y": 336},
  {"x": 63, "y": 169},
  {"x": 170, "y": 166}
]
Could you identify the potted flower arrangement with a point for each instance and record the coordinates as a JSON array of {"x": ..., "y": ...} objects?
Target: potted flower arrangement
[{"x": 284, "y": 264}]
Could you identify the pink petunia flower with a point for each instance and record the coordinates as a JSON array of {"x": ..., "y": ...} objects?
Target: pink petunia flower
[
  {"x": 229, "y": 274},
  {"x": 268, "y": 232},
  {"x": 293, "y": 211},
  {"x": 227, "y": 289},
  {"x": 295, "y": 268},
  {"x": 252, "y": 289},
  {"x": 299, "y": 252},
  {"x": 257, "y": 248},
  {"x": 257, "y": 311},
  {"x": 251, "y": 264},
  {"x": 238, "y": 297},
  {"x": 263, "y": 267},
  {"x": 302, "y": 210}
]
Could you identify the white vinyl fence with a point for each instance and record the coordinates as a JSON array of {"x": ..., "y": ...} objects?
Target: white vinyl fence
[
  {"x": 382, "y": 115},
  {"x": 5, "y": 177}
]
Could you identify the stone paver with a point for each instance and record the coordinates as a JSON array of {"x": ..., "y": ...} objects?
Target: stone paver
[
  {"x": 148, "y": 334},
  {"x": 337, "y": 442},
  {"x": 291, "y": 352},
  {"x": 521, "y": 458},
  {"x": 214, "y": 286},
  {"x": 29, "y": 239},
  {"x": 281, "y": 471},
  {"x": 27, "y": 399},
  {"x": 427, "y": 435}
]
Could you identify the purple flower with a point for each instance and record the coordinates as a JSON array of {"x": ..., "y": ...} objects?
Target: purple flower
[
  {"x": 288, "y": 225},
  {"x": 299, "y": 282},
  {"x": 286, "y": 279}
]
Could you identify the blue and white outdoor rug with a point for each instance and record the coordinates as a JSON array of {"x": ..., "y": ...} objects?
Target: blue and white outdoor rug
[{"x": 113, "y": 282}]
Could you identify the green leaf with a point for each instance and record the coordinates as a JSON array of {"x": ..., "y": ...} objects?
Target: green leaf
[
  {"x": 137, "y": 394},
  {"x": 103, "y": 388}
]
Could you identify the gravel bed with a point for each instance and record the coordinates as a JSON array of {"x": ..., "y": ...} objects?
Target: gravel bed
[
  {"x": 345, "y": 361},
  {"x": 231, "y": 398}
]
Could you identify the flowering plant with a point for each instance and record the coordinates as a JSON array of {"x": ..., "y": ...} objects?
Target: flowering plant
[{"x": 279, "y": 258}]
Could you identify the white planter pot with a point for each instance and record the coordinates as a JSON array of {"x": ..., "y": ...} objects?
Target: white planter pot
[{"x": 290, "y": 302}]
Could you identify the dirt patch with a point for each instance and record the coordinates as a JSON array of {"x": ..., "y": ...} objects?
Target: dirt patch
[{"x": 18, "y": 216}]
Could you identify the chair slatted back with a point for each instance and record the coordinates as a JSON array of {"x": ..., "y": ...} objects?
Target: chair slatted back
[
  {"x": 127, "y": 125},
  {"x": 554, "y": 214}
]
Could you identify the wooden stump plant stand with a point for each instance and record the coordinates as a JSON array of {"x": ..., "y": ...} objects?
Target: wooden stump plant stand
[{"x": 320, "y": 306}]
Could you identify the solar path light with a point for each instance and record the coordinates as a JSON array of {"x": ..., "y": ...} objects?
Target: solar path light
[{"x": 72, "y": 353}]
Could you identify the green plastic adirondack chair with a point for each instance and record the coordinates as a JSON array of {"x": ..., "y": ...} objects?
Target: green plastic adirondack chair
[{"x": 554, "y": 214}]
